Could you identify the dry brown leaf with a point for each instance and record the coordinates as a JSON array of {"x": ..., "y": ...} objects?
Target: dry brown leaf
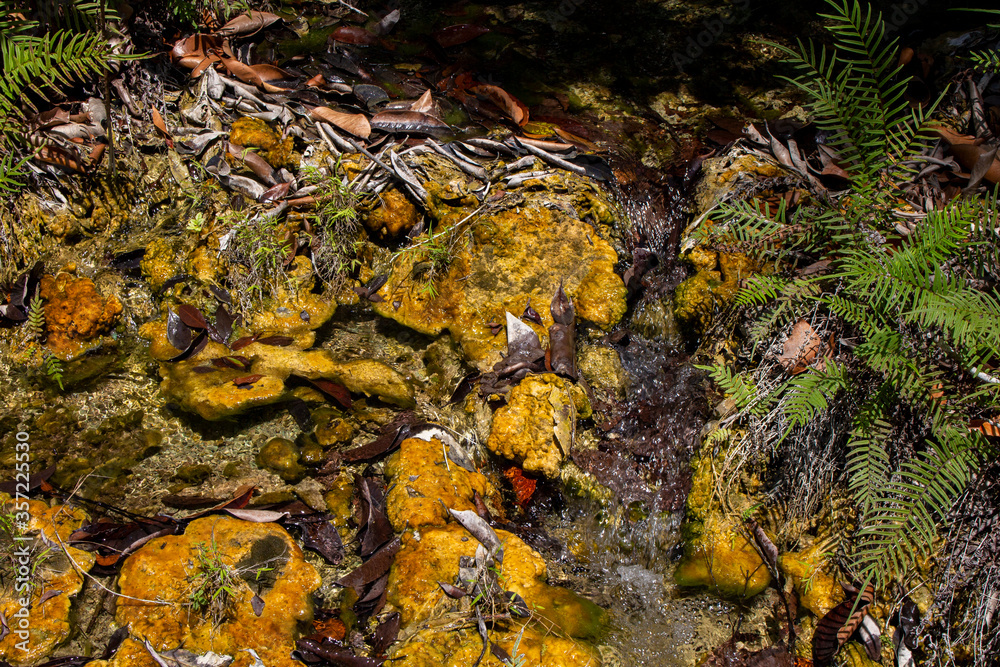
[
  {"x": 196, "y": 45},
  {"x": 247, "y": 24},
  {"x": 355, "y": 123},
  {"x": 425, "y": 104},
  {"x": 507, "y": 103},
  {"x": 161, "y": 126},
  {"x": 801, "y": 348}
]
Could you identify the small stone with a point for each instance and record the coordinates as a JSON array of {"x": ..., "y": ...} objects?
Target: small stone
[
  {"x": 195, "y": 473},
  {"x": 330, "y": 429},
  {"x": 231, "y": 470},
  {"x": 281, "y": 456}
]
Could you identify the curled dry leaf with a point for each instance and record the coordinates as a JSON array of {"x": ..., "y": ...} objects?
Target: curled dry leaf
[
  {"x": 405, "y": 121},
  {"x": 801, "y": 348},
  {"x": 248, "y": 23},
  {"x": 508, "y": 104},
  {"x": 355, "y": 123}
]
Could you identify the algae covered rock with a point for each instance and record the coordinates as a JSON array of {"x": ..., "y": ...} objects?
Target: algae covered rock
[
  {"x": 817, "y": 590},
  {"x": 38, "y": 609},
  {"x": 537, "y": 426},
  {"x": 166, "y": 576},
  {"x": 75, "y": 313},
  {"x": 717, "y": 553},
  {"x": 423, "y": 486},
  {"x": 496, "y": 260},
  {"x": 716, "y": 281},
  {"x": 429, "y": 486},
  {"x": 281, "y": 456}
]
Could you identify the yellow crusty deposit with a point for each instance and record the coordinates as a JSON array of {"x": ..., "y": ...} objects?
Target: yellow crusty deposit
[
  {"x": 163, "y": 569},
  {"x": 52, "y": 571},
  {"x": 537, "y": 425}
]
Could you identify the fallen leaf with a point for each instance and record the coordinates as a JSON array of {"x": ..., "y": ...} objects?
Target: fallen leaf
[
  {"x": 461, "y": 33},
  {"x": 373, "y": 568},
  {"x": 191, "y": 316},
  {"x": 246, "y": 380},
  {"x": 507, "y": 103},
  {"x": 249, "y": 23},
  {"x": 801, "y": 348},
  {"x": 424, "y": 104},
  {"x": 406, "y": 121},
  {"x": 355, "y": 123},
  {"x": 349, "y": 34}
]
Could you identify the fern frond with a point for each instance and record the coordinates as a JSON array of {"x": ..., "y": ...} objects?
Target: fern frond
[
  {"x": 760, "y": 289},
  {"x": 867, "y": 458},
  {"x": 809, "y": 394},
  {"x": 902, "y": 526}
]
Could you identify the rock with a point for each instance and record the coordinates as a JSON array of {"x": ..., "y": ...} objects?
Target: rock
[
  {"x": 214, "y": 395},
  {"x": 717, "y": 279},
  {"x": 75, "y": 314},
  {"x": 427, "y": 486},
  {"x": 395, "y": 215},
  {"x": 537, "y": 426},
  {"x": 501, "y": 258},
  {"x": 602, "y": 369},
  {"x": 429, "y": 648},
  {"x": 331, "y": 429},
  {"x": 717, "y": 554},
  {"x": 722, "y": 559},
  {"x": 422, "y": 487},
  {"x": 166, "y": 568},
  {"x": 733, "y": 172},
  {"x": 256, "y": 133},
  {"x": 193, "y": 474},
  {"x": 818, "y": 591},
  {"x": 159, "y": 263},
  {"x": 281, "y": 457},
  {"x": 51, "y": 571}
]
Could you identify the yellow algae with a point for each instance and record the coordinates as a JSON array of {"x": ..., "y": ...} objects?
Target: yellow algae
[
  {"x": 166, "y": 569},
  {"x": 817, "y": 590},
  {"x": 395, "y": 215},
  {"x": 537, "y": 426},
  {"x": 256, "y": 133},
  {"x": 427, "y": 487},
  {"x": 497, "y": 261},
  {"x": 75, "y": 314},
  {"x": 52, "y": 573}
]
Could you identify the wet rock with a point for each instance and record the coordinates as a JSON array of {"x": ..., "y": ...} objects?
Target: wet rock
[
  {"x": 255, "y": 133},
  {"x": 716, "y": 281},
  {"x": 394, "y": 216},
  {"x": 311, "y": 453},
  {"x": 537, "y": 426},
  {"x": 75, "y": 314},
  {"x": 817, "y": 590},
  {"x": 433, "y": 543},
  {"x": 281, "y": 456},
  {"x": 53, "y": 578},
  {"x": 166, "y": 569},
  {"x": 499, "y": 259},
  {"x": 194, "y": 473},
  {"x": 226, "y": 392},
  {"x": 331, "y": 428},
  {"x": 427, "y": 487},
  {"x": 723, "y": 175},
  {"x": 717, "y": 553},
  {"x": 429, "y": 648},
  {"x": 159, "y": 263},
  {"x": 602, "y": 369},
  {"x": 339, "y": 499}
]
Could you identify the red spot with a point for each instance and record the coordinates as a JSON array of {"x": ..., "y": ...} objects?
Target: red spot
[{"x": 524, "y": 487}]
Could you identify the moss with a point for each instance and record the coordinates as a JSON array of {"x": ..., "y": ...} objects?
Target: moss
[
  {"x": 817, "y": 590},
  {"x": 717, "y": 279},
  {"x": 395, "y": 215}
]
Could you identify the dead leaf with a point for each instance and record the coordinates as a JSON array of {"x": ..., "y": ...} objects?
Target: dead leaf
[
  {"x": 461, "y": 33},
  {"x": 247, "y": 24},
  {"x": 349, "y": 34},
  {"x": 425, "y": 104},
  {"x": 355, "y": 123},
  {"x": 800, "y": 349},
  {"x": 508, "y": 104}
]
